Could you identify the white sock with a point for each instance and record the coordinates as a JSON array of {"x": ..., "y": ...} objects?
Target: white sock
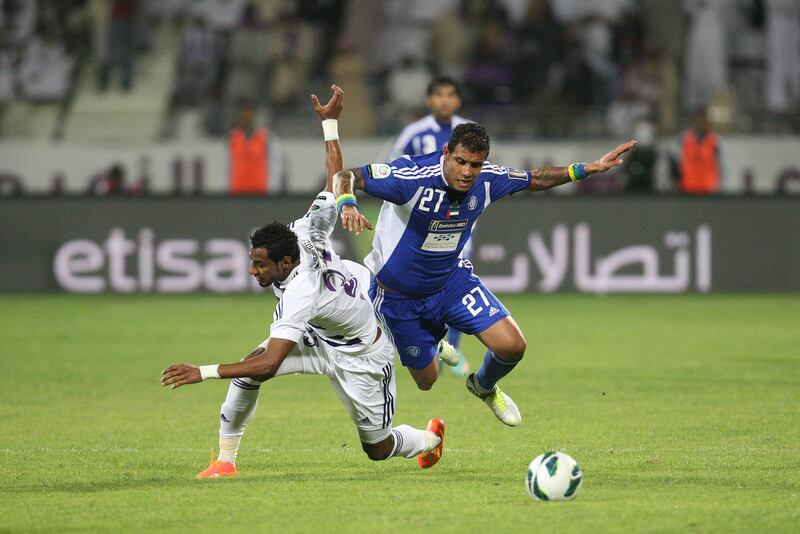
[
  {"x": 410, "y": 441},
  {"x": 235, "y": 413}
]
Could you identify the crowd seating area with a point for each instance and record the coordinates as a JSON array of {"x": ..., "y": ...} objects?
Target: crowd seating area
[{"x": 178, "y": 69}]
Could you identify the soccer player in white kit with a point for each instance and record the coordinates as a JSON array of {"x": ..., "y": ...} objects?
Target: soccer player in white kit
[{"x": 323, "y": 324}]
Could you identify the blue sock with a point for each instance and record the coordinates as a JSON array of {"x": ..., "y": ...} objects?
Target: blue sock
[
  {"x": 492, "y": 370},
  {"x": 453, "y": 337}
]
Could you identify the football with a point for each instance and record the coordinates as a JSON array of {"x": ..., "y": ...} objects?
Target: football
[{"x": 553, "y": 476}]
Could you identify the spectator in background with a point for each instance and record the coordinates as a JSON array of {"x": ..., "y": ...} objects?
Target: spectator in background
[
  {"x": 18, "y": 18},
  {"x": 783, "y": 55},
  {"x": 705, "y": 53},
  {"x": 121, "y": 48},
  {"x": 110, "y": 184},
  {"x": 8, "y": 60},
  {"x": 627, "y": 109},
  {"x": 254, "y": 157},
  {"x": 44, "y": 72},
  {"x": 406, "y": 87},
  {"x": 452, "y": 38},
  {"x": 539, "y": 48},
  {"x": 488, "y": 79},
  {"x": 198, "y": 60},
  {"x": 247, "y": 57},
  {"x": 293, "y": 43},
  {"x": 701, "y": 158},
  {"x": 348, "y": 67}
]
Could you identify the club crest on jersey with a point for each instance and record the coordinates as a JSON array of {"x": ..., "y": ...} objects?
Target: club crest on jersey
[
  {"x": 473, "y": 202},
  {"x": 379, "y": 171}
]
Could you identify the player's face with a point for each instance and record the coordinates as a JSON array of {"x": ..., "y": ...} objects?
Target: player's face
[
  {"x": 264, "y": 269},
  {"x": 444, "y": 102},
  {"x": 461, "y": 167}
]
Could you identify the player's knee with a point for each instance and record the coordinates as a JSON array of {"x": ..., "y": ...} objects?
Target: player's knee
[
  {"x": 378, "y": 451},
  {"x": 513, "y": 349},
  {"x": 425, "y": 384}
]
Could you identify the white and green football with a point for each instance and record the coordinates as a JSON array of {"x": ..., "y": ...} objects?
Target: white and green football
[{"x": 553, "y": 476}]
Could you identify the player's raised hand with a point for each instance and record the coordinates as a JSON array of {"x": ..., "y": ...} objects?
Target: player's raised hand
[
  {"x": 610, "y": 160},
  {"x": 179, "y": 375},
  {"x": 333, "y": 108},
  {"x": 354, "y": 221}
]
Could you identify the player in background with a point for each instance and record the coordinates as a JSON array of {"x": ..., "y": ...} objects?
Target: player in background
[
  {"x": 431, "y": 134},
  {"x": 324, "y": 324},
  {"x": 422, "y": 283}
]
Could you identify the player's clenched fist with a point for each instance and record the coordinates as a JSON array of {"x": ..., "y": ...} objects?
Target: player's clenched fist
[{"x": 181, "y": 374}]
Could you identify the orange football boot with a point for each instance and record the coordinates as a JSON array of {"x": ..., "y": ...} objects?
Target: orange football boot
[
  {"x": 217, "y": 469},
  {"x": 429, "y": 459}
]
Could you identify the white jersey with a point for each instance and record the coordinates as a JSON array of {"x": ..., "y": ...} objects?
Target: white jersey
[{"x": 324, "y": 296}]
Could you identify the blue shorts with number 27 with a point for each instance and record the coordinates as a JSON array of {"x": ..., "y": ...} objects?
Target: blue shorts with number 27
[{"x": 417, "y": 324}]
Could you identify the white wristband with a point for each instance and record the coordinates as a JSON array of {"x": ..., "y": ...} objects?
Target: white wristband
[
  {"x": 209, "y": 371},
  {"x": 330, "y": 128}
]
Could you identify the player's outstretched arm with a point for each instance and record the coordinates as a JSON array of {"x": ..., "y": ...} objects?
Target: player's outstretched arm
[
  {"x": 548, "y": 177},
  {"x": 329, "y": 113},
  {"x": 260, "y": 363}
]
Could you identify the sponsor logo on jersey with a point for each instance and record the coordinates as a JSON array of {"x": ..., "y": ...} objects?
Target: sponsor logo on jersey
[
  {"x": 455, "y": 225},
  {"x": 318, "y": 203},
  {"x": 473, "y": 202},
  {"x": 516, "y": 174},
  {"x": 493, "y": 311},
  {"x": 412, "y": 351},
  {"x": 441, "y": 242},
  {"x": 379, "y": 171}
]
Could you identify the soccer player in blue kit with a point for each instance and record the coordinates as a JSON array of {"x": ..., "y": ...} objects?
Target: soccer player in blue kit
[
  {"x": 431, "y": 134},
  {"x": 421, "y": 282}
]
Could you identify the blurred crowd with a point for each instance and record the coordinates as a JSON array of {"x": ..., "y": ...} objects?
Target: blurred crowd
[{"x": 536, "y": 67}]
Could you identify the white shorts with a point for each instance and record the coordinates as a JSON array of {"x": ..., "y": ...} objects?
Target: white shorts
[{"x": 365, "y": 383}]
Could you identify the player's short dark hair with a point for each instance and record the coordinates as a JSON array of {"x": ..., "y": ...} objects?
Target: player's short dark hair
[
  {"x": 471, "y": 136},
  {"x": 443, "y": 81},
  {"x": 279, "y": 241}
]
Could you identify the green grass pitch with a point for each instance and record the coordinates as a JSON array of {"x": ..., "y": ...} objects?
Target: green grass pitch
[{"x": 684, "y": 413}]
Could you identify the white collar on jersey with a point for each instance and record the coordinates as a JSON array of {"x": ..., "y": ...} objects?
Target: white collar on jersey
[
  {"x": 441, "y": 171},
  {"x": 282, "y": 285}
]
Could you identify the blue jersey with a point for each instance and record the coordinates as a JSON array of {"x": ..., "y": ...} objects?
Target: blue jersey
[
  {"x": 424, "y": 136},
  {"x": 423, "y": 224}
]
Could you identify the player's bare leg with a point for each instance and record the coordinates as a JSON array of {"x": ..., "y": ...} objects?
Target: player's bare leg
[
  {"x": 506, "y": 346},
  {"x": 426, "y": 376}
]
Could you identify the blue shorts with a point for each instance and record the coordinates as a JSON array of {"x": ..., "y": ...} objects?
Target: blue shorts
[{"x": 417, "y": 324}]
